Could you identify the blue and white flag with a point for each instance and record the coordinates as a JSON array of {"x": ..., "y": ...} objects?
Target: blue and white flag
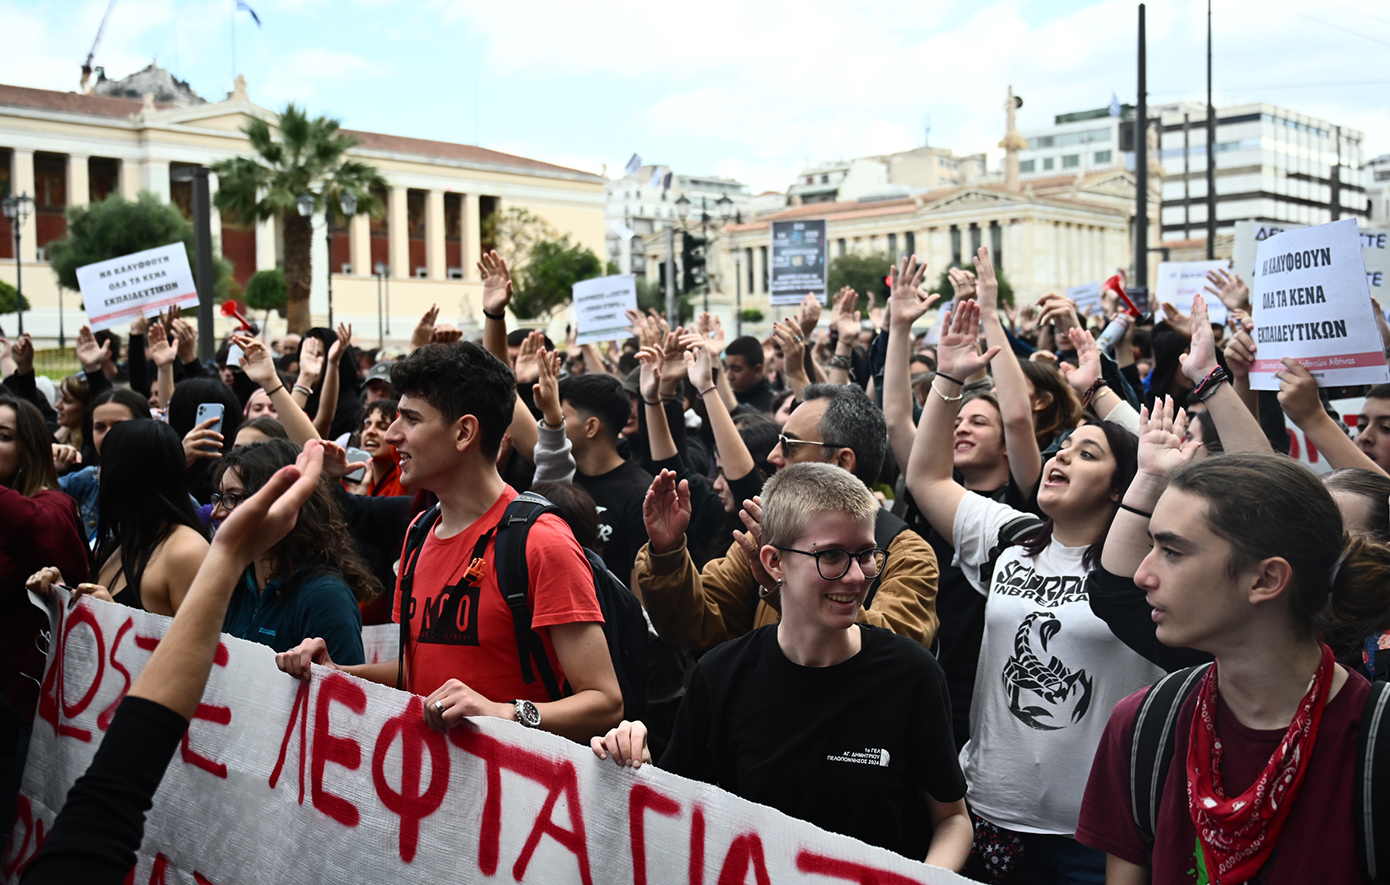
[
  {"x": 656, "y": 178},
  {"x": 1115, "y": 109},
  {"x": 633, "y": 165},
  {"x": 243, "y": 6}
]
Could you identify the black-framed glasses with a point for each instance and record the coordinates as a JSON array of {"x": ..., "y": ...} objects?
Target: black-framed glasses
[
  {"x": 229, "y": 501},
  {"x": 789, "y": 444},
  {"x": 833, "y": 564}
]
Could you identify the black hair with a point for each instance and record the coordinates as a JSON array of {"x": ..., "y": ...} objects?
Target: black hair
[
  {"x": 851, "y": 419},
  {"x": 193, "y": 392},
  {"x": 388, "y": 407},
  {"x": 1124, "y": 447},
  {"x": 122, "y": 396},
  {"x": 106, "y": 335},
  {"x": 516, "y": 337},
  {"x": 459, "y": 379},
  {"x": 759, "y": 434},
  {"x": 1380, "y": 391},
  {"x": 599, "y": 396},
  {"x": 142, "y": 497},
  {"x": 747, "y": 347},
  {"x": 320, "y": 540},
  {"x": 577, "y": 509},
  {"x": 1370, "y": 485},
  {"x": 266, "y": 425},
  {"x": 35, "y": 472}
]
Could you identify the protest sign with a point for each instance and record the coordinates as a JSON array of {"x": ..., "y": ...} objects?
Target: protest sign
[
  {"x": 1302, "y": 449},
  {"x": 339, "y": 780},
  {"x": 798, "y": 261},
  {"x": 1086, "y": 298},
  {"x": 1311, "y": 304},
  {"x": 1178, "y": 281},
  {"x": 601, "y": 306},
  {"x": 1375, "y": 251},
  {"x": 120, "y": 289}
]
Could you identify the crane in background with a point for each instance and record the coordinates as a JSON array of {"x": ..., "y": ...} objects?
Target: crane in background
[{"x": 87, "y": 65}]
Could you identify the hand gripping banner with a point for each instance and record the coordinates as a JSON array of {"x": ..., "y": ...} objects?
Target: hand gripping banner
[{"x": 339, "y": 780}]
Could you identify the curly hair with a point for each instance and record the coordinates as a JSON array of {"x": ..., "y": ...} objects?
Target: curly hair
[{"x": 320, "y": 540}]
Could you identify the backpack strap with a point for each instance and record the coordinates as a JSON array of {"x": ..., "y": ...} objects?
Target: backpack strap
[
  {"x": 887, "y": 526},
  {"x": 1372, "y": 785},
  {"x": 414, "y": 542},
  {"x": 1010, "y": 533},
  {"x": 513, "y": 581},
  {"x": 1151, "y": 747}
]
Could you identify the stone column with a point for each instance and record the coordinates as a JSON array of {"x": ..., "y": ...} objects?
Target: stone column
[
  {"x": 128, "y": 179},
  {"x": 360, "y": 244},
  {"x": 79, "y": 183},
  {"x": 472, "y": 237},
  {"x": 24, "y": 184},
  {"x": 155, "y": 178},
  {"x": 267, "y": 250},
  {"x": 434, "y": 235},
  {"x": 398, "y": 220}
]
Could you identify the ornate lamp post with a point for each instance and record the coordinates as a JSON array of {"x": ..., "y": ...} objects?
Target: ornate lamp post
[{"x": 17, "y": 210}]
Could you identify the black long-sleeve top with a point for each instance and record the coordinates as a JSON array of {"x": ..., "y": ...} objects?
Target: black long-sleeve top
[
  {"x": 1120, "y": 603},
  {"x": 102, "y": 823}
]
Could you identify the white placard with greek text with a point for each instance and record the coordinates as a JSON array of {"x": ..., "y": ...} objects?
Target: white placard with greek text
[
  {"x": 118, "y": 290},
  {"x": 1375, "y": 251},
  {"x": 601, "y": 307},
  {"x": 1311, "y": 304},
  {"x": 1178, "y": 281},
  {"x": 1086, "y": 298}
]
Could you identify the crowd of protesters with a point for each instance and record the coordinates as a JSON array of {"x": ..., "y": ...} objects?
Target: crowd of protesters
[{"x": 966, "y": 553}]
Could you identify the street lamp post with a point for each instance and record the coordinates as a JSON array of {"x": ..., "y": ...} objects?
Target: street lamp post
[
  {"x": 348, "y": 203},
  {"x": 305, "y": 204},
  {"x": 725, "y": 207},
  {"x": 379, "y": 271},
  {"x": 17, "y": 209}
]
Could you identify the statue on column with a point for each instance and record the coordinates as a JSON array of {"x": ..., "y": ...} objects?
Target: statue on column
[{"x": 1013, "y": 141}]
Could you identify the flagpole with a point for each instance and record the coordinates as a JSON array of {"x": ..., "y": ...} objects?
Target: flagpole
[{"x": 234, "y": 71}]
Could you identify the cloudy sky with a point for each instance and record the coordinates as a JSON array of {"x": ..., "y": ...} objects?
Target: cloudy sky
[{"x": 750, "y": 91}]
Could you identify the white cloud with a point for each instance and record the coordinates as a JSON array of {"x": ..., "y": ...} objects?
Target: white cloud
[{"x": 299, "y": 76}]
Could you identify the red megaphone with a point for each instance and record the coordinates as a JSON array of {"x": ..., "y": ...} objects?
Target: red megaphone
[
  {"x": 232, "y": 310},
  {"x": 1115, "y": 285}
]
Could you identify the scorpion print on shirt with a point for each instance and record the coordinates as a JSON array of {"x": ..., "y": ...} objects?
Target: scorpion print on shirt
[{"x": 1042, "y": 690}]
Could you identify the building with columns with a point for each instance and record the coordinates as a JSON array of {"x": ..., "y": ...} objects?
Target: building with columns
[{"x": 69, "y": 149}]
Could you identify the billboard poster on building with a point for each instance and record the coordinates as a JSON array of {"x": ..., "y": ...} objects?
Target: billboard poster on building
[
  {"x": 1375, "y": 252},
  {"x": 798, "y": 261},
  {"x": 1311, "y": 304},
  {"x": 118, "y": 290}
]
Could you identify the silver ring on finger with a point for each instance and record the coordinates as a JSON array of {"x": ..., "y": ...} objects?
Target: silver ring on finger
[{"x": 439, "y": 707}]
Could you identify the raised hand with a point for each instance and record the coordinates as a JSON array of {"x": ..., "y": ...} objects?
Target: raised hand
[
  {"x": 1087, "y": 371},
  {"x": 310, "y": 361},
  {"x": 1298, "y": 392},
  {"x": 341, "y": 344},
  {"x": 424, "y": 330},
  {"x": 793, "y": 346},
  {"x": 90, "y": 354},
  {"x": 957, "y": 353},
  {"x": 1228, "y": 287},
  {"x": 139, "y": 324},
  {"x": 649, "y": 379},
  {"x": 262, "y": 520},
  {"x": 22, "y": 352},
  {"x": 844, "y": 317},
  {"x": 335, "y": 461},
  {"x": 497, "y": 282},
  {"x": 1162, "y": 443},
  {"x": 256, "y": 362},
  {"x": 186, "y": 337},
  {"x": 1240, "y": 349},
  {"x": 906, "y": 300},
  {"x": 672, "y": 359},
  {"x": 987, "y": 284},
  {"x": 751, "y": 540},
  {"x": 1200, "y": 358},
  {"x": 446, "y": 333},
  {"x": 1060, "y": 311},
  {"x": 711, "y": 333},
  {"x": 546, "y": 391},
  {"x": 697, "y": 366},
  {"x": 666, "y": 512},
  {"x": 809, "y": 316},
  {"x": 158, "y": 346},
  {"x": 644, "y": 328},
  {"x": 1181, "y": 322},
  {"x": 962, "y": 283},
  {"x": 527, "y": 367}
]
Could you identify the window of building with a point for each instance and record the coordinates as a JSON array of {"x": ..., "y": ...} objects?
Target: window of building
[
  {"x": 1071, "y": 161},
  {"x": 1048, "y": 163},
  {"x": 810, "y": 179},
  {"x": 1027, "y": 165},
  {"x": 892, "y": 247},
  {"x": 1102, "y": 156},
  {"x": 825, "y": 179},
  {"x": 840, "y": 246},
  {"x": 1383, "y": 175},
  {"x": 996, "y": 244},
  {"x": 910, "y": 243},
  {"x": 955, "y": 244}
]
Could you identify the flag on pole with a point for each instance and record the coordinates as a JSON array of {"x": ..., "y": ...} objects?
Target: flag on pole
[
  {"x": 1115, "y": 108},
  {"x": 656, "y": 178},
  {"x": 243, "y": 6},
  {"x": 633, "y": 165},
  {"x": 666, "y": 183}
]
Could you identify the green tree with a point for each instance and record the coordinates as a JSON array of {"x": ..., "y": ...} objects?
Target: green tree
[
  {"x": 943, "y": 283},
  {"x": 10, "y": 297},
  {"x": 116, "y": 226},
  {"x": 862, "y": 273},
  {"x": 306, "y": 155},
  {"x": 515, "y": 233},
  {"x": 266, "y": 290},
  {"x": 651, "y": 297},
  {"x": 552, "y": 269}
]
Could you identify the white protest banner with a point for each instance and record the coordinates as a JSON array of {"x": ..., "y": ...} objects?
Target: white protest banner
[
  {"x": 381, "y": 642},
  {"x": 1302, "y": 449},
  {"x": 798, "y": 261},
  {"x": 1375, "y": 251},
  {"x": 1086, "y": 298},
  {"x": 1178, "y": 281},
  {"x": 120, "y": 289},
  {"x": 339, "y": 780},
  {"x": 1310, "y": 303},
  {"x": 601, "y": 306}
]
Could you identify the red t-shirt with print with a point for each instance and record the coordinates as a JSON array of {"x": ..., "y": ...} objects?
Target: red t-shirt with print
[{"x": 465, "y": 631}]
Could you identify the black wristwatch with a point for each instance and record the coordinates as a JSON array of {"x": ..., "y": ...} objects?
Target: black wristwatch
[{"x": 527, "y": 714}]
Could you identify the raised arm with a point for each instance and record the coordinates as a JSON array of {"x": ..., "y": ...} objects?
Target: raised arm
[
  {"x": 1162, "y": 449},
  {"x": 733, "y": 453},
  {"x": 847, "y": 322},
  {"x": 554, "y": 458},
  {"x": 658, "y": 430},
  {"x": 793, "y": 345},
  {"x": 260, "y": 368},
  {"x": 1298, "y": 397},
  {"x": 1239, "y": 430},
  {"x": 1015, "y": 405},
  {"x": 1240, "y": 356},
  {"x": 929, "y": 470},
  {"x": 163, "y": 354},
  {"x": 497, "y": 294},
  {"x": 328, "y": 397},
  {"x": 906, "y": 304}
]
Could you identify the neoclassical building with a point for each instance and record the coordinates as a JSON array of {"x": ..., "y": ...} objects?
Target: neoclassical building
[{"x": 68, "y": 149}]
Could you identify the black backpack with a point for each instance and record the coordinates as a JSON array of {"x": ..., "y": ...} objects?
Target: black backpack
[
  {"x": 1152, "y": 747},
  {"x": 624, "y": 622}
]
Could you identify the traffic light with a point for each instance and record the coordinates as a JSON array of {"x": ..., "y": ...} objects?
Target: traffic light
[{"x": 693, "y": 262}]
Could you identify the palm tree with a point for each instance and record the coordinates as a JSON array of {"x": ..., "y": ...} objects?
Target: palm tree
[{"x": 308, "y": 157}]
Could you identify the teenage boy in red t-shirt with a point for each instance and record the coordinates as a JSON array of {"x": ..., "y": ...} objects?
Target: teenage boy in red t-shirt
[{"x": 456, "y": 403}]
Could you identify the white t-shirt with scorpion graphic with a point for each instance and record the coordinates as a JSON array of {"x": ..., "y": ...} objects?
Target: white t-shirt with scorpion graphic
[{"x": 1050, "y": 673}]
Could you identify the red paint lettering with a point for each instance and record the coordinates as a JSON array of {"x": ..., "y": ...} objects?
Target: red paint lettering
[
  {"x": 150, "y": 643},
  {"x": 697, "y": 847},
  {"x": 1293, "y": 444},
  {"x": 208, "y": 713},
  {"x": 639, "y": 800},
  {"x": 821, "y": 865},
  {"x": 53, "y": 705},
  {"x": 200, "y": 879},
  {"x": 410, "y": 803},
  {"x": 104, "y": 720},
  {"x": 559, "y": 777},
  {"x": 1312, "y": 452},
  {"x": 298, "y": 713},
  {"x": 26, "y": 821},
  {"x": 746, "y": 851},
  {"x": 328, "y": 747}
]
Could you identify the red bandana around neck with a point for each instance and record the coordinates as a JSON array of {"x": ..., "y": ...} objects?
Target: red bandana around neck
[{"x": 1238, "y": 833}]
